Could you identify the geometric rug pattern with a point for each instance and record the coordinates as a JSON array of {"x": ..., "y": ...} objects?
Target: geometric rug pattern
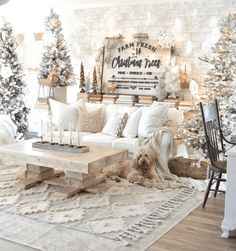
[{"x": 130, "y": 216}]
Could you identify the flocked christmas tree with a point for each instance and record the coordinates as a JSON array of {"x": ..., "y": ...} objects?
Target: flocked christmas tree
[
  {"x": 12, "y": 85},
  {"x": 56, "y": 55},
  {"x": 219, "y": 82},
  {"x": 95, "y": 82},
  {"x": 82, "y": 79}
]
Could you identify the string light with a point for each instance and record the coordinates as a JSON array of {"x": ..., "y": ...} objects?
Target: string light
[
  {"x": 178, "y": 24},
  {"x": 189, "y": 47}
]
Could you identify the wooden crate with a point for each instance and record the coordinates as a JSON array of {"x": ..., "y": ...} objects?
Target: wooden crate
[{"x": 185, "y": 167}]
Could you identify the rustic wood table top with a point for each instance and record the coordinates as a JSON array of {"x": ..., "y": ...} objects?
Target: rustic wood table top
[{"x": 88, "y": 162}]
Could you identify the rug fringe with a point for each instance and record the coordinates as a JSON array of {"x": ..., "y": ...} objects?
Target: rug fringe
[{"x": 154, "y": 219}]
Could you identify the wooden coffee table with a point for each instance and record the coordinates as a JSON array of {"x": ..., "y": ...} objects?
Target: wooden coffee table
[{"x": 78, "y": 169}]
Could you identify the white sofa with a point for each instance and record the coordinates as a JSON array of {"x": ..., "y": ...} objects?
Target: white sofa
[{"x": 62, "y": 113}]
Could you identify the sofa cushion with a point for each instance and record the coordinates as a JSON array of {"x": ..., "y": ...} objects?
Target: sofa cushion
[
  {"x": 127, "y": 143},
  {"x": 97, "y": 139},
  {"x": 64, "y": 114},
  {"x": 91, "y": 107},
  {"x": 113, "y": 109},
  {"x": 90, "y": 121},
  {"x": 152, "y": 118},
  {"x": 115, "y": 125},
  {"x": 131, "y": 127}
]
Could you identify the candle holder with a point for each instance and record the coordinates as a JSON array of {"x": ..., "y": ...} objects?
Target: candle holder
[{"x": 60, "y": 147}]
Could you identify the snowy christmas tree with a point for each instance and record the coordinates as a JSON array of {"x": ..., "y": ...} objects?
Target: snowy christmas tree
[
  {"x": 56, "y": 57},
  {"x": 95, "y": 82},
  {"x": 12, "y": 86},
  {"x": 82, "y": 79},
  {"x": 219, "y": 82}
]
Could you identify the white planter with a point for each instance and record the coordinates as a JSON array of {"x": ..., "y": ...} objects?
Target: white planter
[{"x": 67, "y": 94}]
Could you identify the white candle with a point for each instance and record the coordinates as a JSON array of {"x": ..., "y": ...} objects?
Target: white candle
[
  {"x": 60, "y": 136},
  {"x": 78, "y": 135},
  {"x": 41, "y": 136},
  {"x": 51, "y": 128},
  {"x": 70, "y": 128},
  {"x": 47, "y": 133}
]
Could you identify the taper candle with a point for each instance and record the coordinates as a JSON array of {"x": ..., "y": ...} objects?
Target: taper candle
[
  {"x": 47, "y": 131},
  {"x": 61, "y": 133},
  {"x": 41, "y": 136},
  {"x": 60, "y": 130},
  {"x": 78, "y": 136},
  {"x": 51, "y": 134},
  {"x": 70, "y": 128}
]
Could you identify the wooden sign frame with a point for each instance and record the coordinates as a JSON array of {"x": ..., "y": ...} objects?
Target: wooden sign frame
[{"x": 136, "y": 67}]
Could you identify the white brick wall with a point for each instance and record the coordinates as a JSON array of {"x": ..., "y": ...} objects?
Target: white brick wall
[{"x": 88, "y": 27}]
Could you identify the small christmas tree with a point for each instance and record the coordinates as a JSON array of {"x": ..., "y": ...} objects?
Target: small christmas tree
[
  {"x": 219, "y": 82},
  {"x": 12, "y": 86},
  {"x": 56, "y": 57},
  {"x": 82, "y": 79},
  {"x": 95, "y": 82},
  {"x": 172, "y": 82}
]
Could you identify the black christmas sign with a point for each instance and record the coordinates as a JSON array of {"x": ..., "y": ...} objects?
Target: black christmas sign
[{"x": 136, "y": 67}]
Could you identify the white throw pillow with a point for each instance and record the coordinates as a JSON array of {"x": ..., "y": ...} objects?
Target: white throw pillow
[
  {"x": 118, "y": 109},
  {"x": 113, "y": 124},
  {"x": 64, "y": 114},
  {"x": 131, "y": 128},
  {"x": 152, "y": 118}
]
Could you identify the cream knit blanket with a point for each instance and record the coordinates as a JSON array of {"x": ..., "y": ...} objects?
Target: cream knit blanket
[{"x": 162, "y": 142}]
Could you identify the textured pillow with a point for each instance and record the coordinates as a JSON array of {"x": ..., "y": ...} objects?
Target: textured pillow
[
  {"x": 63, "y": 113},
  {"x": 151, "y": 119},
  {"x": 115, "y": 125},
  {"x": 90, "y": 121},
  {"x": 131, "y": 127}
]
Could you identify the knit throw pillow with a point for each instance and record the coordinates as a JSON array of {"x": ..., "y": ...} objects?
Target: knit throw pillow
[
  {"x": 90, "y": 121},
  {"x": 121, "y": 125}
]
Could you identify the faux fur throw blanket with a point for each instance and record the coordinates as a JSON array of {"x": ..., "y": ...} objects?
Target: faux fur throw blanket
[
  {"x": 162, "y": 142},
  {"x": 7, "y": 130}
]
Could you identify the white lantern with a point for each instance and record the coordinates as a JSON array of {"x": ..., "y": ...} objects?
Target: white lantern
[{"x": 194, "y": 88}]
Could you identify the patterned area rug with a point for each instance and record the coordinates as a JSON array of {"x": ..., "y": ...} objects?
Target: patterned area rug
[{"x": 124, "y": 216}]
